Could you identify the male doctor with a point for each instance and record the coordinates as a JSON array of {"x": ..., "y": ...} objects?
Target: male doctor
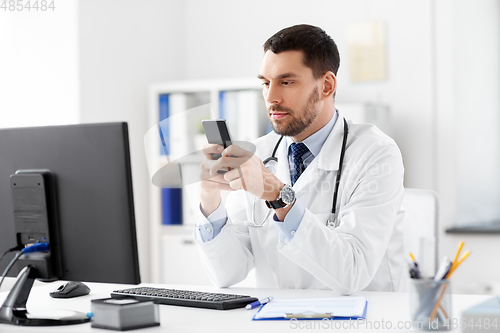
[{"x": 294, "y": 246}]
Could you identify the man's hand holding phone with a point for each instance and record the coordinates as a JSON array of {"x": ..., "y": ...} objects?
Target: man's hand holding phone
[
  {"x": 229, "y": 167},
  {"x": 212, "y": 181},
  {"x": 247, "y": 172},
  {"x": 211, "y": 178},
  {"x": 244, "y": 171}
]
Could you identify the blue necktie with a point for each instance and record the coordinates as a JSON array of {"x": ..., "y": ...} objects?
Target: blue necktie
[{"x": 298, "y": 150}]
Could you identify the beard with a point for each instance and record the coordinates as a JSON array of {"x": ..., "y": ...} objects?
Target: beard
[{"x": 300, "y": 120}]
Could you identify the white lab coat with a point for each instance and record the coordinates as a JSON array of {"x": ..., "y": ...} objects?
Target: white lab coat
[{"x": 364, "y": 252}]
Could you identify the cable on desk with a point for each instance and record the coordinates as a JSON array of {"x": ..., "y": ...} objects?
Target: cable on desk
[
  {"x": 12, "y": 249},
  {"x": 38, "y": 247},
  {"x": 7, "y": 269}
]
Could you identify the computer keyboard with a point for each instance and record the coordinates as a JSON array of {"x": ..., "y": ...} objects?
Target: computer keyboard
[{"x": 189, "y": 298}]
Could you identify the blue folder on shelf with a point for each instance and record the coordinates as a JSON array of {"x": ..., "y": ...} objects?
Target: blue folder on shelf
[
  {"x": 171, "y": 206},
  {"x": 338, "y": 308}
]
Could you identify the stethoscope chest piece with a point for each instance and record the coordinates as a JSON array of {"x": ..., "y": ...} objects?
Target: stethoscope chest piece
[
  {"x": 332, "y": 221},
  {"x": 271, "y": 163}
]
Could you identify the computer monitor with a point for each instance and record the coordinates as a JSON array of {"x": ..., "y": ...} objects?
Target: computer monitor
[{"x": 89, "y": 188}]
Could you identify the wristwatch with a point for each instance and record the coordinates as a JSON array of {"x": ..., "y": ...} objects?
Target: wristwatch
[{"x": 285, "y": 198}]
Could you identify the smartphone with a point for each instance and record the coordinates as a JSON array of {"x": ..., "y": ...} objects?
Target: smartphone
[{"x": 217, "y": 133}]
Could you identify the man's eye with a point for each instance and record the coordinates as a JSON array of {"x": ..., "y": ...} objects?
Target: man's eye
[
  {"x": 265, "y": 84},
  {"x": 286, "y": 83}
]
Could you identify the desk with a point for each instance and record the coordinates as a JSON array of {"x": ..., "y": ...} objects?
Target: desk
[{"x": 382, "y": 307}]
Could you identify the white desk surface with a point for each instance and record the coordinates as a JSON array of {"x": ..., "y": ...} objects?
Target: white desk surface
[{"x": 389, "y": 307}]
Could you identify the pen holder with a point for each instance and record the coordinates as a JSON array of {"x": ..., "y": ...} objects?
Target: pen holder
[{"x": 430, "y": 304}]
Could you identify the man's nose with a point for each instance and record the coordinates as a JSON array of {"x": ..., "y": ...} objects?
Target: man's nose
[{"x": 273, "y": 94}]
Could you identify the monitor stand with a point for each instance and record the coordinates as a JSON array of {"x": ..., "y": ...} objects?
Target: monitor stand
[{"x": 13, "y": 310}]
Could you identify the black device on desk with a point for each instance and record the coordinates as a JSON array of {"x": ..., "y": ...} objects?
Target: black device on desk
[
  {"x": 197, "y": 299},
  {"x": 70, "y": 289},
  {"x": 70, "y": 187}
]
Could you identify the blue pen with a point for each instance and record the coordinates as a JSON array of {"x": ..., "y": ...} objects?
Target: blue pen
[{"x": 259, "y": 303}]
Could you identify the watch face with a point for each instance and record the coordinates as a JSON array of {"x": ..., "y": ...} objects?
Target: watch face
[{"x": 287, "y": 195}]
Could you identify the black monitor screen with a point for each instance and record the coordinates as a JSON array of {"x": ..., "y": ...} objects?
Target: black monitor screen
[{"x": 91, "y": 167}]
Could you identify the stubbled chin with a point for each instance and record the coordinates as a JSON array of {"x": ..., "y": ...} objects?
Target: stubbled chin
[{"x": 278, "y": 124}]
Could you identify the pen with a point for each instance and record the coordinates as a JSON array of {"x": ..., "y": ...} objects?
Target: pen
[
  {"x": 259, "y": 303},
  {"x": 452, "y": 269},
  {"x": 443, "y": 270},
  {"x": 416, "y": 270},
  {"x": 413, "y": 272},
  {"x": 458, "y": 251},
  {"x": 458, "y": 263}
]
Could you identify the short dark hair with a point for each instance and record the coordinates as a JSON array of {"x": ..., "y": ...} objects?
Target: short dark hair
[{"x": 320, "y": 51}]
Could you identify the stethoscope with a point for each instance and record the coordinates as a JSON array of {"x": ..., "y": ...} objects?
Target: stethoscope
[{"x": 271, "y": 163}]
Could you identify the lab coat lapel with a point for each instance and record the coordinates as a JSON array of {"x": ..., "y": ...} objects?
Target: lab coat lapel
[
  {"x": 329, "y": 155},
  {"x": 310, "y": 174}
]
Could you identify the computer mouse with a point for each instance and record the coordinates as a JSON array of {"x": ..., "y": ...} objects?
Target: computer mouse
[{"x": 70, "y": 289}]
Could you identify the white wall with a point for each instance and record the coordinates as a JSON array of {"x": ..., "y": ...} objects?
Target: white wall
[
  {"x": 230, "y": 35},
  {"x": 39, "y": 80},
  {"x": 467, "y": 49},
  {"x": 477, "y": 64},
  {"x": 124, "y": 46}
]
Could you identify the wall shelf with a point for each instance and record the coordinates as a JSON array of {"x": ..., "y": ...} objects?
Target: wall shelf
[
  {"x": 238, "y": 100},
  {"x": 491, "y": 228}
]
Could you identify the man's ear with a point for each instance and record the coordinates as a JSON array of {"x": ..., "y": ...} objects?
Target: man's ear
[{"x": 329, "y": 85}]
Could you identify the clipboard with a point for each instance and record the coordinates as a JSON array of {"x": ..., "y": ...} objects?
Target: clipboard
[{"x": 339, "y": 308}]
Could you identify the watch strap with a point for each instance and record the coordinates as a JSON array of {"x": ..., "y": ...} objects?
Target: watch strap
[{"x": 275, "y": 204}]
